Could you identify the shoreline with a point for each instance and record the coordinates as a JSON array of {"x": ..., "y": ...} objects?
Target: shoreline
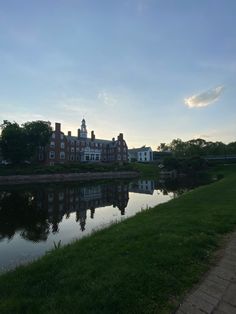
[
  {"x": 63, "y": 177},
  {"x": 170, "y": 246}
]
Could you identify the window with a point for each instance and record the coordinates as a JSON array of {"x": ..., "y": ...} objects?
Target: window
[
  {"x": 51, "y": 155},
  {"x": 77, "y": 149},
  {"x": 87, "y": 157},
  {"x": 62, "y": 145},
  {"x": 97, "y": 156},
  {"x": 53, "y": 135},
  {"x": 62, "y": 155},
  {"x": 61, "y": 196},
  {"x": 62, "y": 136},
  {"x": 72, "y": 157},
  {"x": 50, "y": 197},
  {"x": 52, "y": 144},
  {"x": 72, "y": 149},
  {"x": 40, "y": 156}
]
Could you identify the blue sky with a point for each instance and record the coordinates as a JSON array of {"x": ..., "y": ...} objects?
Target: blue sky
[{"x": 153, "y": 69}]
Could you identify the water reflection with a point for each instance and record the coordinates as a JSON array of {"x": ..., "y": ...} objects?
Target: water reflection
[
  {"x": 33, "y": 218},
  {"x": 33, "y": 212}
]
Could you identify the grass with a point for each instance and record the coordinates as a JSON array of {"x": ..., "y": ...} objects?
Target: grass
[
  {"x": 145, "y": 170},
  {"x": 62, "y": 168},
  {"x": 143, "y": 265}
]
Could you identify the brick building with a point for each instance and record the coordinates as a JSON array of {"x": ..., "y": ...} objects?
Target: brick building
[{"x": 69, "y": 149}]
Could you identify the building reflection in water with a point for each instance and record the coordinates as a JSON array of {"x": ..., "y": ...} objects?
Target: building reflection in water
[
  {"x": 143, "y": 187},
  {"x": 36, "y": 213}
]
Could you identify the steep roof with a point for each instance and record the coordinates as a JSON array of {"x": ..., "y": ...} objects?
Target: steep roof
[{"x": 96, "y": 140}]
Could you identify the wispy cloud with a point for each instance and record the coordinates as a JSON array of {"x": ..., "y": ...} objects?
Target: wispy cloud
[
  {"x": 19, "y": 116},
  {"x": 205, "y": 98},
  {"x": 107, "y": 98}
]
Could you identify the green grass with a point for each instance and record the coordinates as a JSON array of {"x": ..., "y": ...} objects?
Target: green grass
[
  {"x": 146, "y": 170},
  {"x": 143, "y": 265},
  {"x": 63, "y": 168}
]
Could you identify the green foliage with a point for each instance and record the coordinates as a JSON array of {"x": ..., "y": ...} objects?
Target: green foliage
[
  {"x": 64, "y": 168},
  {"x": 185, "y": 165},
  {"x": 200, "y": 147},
  {"x": 20, "y": 143},
  {"x": 144, "y": 264},
  {"x": 146, "y": 170},
  {"x": 13, "y": 142},
  {"x": 38, "y": 134}
]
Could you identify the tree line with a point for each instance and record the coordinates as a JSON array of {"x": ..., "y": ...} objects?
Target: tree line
[
  {"x": 20, "y": 143},
  {"x": 198, "y": 147}
]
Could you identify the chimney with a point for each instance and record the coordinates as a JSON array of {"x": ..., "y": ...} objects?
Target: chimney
[
  {"x": 58, "y": 127},
  {"x": 92, "y": 136},
  {"x": 120, "y": 137},
  {"x": 78, "y": 133},
  {"x": 69, "y": 133}
]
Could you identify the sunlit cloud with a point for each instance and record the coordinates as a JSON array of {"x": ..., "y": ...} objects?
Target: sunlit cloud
[{"x": 205, "y": 98}]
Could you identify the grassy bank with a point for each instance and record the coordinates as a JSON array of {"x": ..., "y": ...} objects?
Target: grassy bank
[
  {"x": 146, "y": 170},
  {"x": 61, "y": 168},
  {"x": 142, "y": 265}
]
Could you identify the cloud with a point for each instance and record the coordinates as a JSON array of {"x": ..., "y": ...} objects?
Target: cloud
[
  {"x": 20, "y": 116},
  {"x": 205, "y": 98},
  {"x": 107, "y": 98}
]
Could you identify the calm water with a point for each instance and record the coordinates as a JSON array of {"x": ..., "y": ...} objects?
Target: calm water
[{"x": 35, "y": 219}]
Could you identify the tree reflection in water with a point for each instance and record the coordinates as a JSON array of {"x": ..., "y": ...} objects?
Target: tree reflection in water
[
  {"x": 37, "y": 212},
  {"x": 19, "y": 213}
]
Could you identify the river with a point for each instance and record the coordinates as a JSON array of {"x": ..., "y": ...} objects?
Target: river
[{"x": 35, "y": 219}]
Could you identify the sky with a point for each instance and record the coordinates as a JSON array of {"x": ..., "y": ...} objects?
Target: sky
[{"x": 154, "y": 70}]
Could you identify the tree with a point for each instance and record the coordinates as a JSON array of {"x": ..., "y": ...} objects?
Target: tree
[
  {"x": 13, "y": 142},
  {"x": 231, "y": 148},
  {"x": 38, "y": 134},
  {"x": 20, "y": 143},
  {"x": 178, "y": 147}
]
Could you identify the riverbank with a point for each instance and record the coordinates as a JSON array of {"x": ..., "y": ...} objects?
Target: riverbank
[
  {"x": 145, "y": 169},
  {"x": 143, "y": 265},
  {"x": 74, "y": 172},
  {"x": 65, "y": 177}
]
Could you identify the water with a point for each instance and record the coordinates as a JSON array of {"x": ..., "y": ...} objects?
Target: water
[{"x": 35, "y": 219}]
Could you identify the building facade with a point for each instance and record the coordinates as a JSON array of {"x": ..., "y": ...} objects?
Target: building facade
[
  {"x": 142, "y": 154},
  {"x": 81, "y": 148}
]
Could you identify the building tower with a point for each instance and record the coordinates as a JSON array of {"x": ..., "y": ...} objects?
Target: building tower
[{"x": 83, "y": 130}]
